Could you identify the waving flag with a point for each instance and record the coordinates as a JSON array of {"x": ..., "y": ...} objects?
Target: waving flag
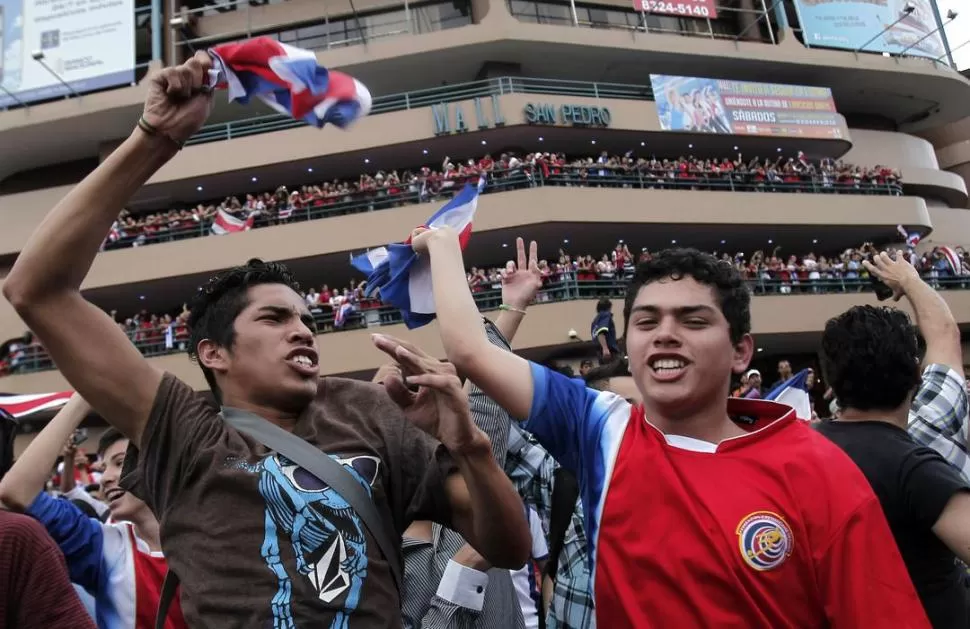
[
  {"x": 952, "y": 259},
  {"x": 23, "y": 405},
  {"x": 400, "y": 278},
  {"x": 226, "y": 223},
  {"x": 912, "y": 238},
  {"x": 794, "y": 393},
  {"x": 289, "y": 80}
]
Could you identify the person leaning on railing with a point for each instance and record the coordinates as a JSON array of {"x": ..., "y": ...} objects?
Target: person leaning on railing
[
  {"x": 386, "y": 190},
  {"x": 562, "y": 282}
]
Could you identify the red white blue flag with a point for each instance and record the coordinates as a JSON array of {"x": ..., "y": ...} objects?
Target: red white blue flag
[
  {"x": 289, "y": 80},
  {"x": 400, "y": 278},
  {"x": 24, "y": 405},
  {"x": 912, "y": 238},
  {"x": 226, "y": 223},
  {"x": 794, "y": 392}
]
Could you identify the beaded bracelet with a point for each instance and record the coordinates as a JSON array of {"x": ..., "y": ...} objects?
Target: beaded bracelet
[{"x": 511, "y": 309}]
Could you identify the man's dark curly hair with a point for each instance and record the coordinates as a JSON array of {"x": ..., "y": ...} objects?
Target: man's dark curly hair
[
  {"x": 213, "y": 311},
  {"x": 732, "y": 294},
  {"x": 870, "y": 357}
]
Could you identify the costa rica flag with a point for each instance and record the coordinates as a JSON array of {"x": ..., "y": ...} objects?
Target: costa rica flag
[
  {"x": 400, "y": 278},
  {"x": 289, "y": 80}
]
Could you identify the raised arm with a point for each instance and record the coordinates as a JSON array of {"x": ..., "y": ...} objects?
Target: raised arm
[
  {"x": 26, "y": 478},
  {"x": 521, "y": 280},
  {"x": 933, "y": 316},
  {"x": 503, "y": 376},
  {"x": 44, "y": 285}
]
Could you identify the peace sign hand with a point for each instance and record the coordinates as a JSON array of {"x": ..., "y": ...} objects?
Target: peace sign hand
[
  {"x": 439, "y": 407},
  {"x": 522, "y": 280}
]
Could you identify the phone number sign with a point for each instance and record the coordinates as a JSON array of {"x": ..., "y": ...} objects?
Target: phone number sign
[{"x": 681, "y": 8}]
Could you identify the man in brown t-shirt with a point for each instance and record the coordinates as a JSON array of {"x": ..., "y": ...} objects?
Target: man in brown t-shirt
[{"x": 256, "y": 540}]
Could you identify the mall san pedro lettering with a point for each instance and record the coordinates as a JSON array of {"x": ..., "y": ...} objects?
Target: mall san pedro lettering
[
  {"x": 574, "y": 115},
  {"x": 486, "y": 113}
]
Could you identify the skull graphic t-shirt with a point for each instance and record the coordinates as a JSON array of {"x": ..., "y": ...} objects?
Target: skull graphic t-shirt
[{"x": 258, "y": 541}]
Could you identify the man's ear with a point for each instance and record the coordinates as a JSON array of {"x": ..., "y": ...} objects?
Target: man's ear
[
  {"x": 212, "y": 356},
  {"x": 743, "y": 352}
]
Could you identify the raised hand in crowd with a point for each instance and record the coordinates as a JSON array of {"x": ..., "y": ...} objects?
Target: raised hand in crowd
[
  {"x": 179, "y": 99},
  {"x": 521, "y": 280},
  {"x": 933, "y": 316},
  {"x": 439, "y": 406},
  {"x": 894, "y": 270}
]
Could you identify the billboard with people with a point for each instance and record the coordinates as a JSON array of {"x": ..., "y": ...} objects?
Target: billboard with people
[
  {"x": 701, "y": 105},
  {"x": 850, "y": 24},
  {"x": 47, "y": 46}
]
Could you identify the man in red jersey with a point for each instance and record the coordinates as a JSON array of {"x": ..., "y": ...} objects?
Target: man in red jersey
[{"x": 702, "y": 511}]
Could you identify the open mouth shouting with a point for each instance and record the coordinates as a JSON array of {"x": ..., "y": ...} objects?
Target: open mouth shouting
[
  {"x": 668, "y": 367},
  {"x": 304, "y": 360}
]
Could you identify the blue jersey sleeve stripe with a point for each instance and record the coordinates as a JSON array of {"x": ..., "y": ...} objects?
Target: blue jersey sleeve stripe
[
  {"x": 558, "y": 414},
  {"x": 615, "y": 412},
  {"x": 79, "y": 537},
  {"x": 582, "y": 429}
]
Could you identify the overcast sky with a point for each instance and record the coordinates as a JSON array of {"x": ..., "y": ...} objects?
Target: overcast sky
[{"x": 957, "y": 31}]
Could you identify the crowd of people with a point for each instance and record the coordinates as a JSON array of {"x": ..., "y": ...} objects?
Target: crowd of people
[
  {"x": 563, "y": 276},
  {"x": 382, "y": 190},
  {"x": 493, "y": 498}
]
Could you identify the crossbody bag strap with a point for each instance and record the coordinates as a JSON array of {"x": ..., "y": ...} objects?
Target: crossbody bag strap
[
  {"x": 169, "y": 587},
  {"x": 329, "y": 471}
]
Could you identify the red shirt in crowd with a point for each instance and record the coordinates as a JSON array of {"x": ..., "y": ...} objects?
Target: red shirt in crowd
[
  {"x": 35, "y": 592},
  {"x": 773, "y": 528}
]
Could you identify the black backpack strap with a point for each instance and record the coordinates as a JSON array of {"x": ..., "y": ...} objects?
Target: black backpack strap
[
  {"x": 169, "y": 587},
  {"x": 565, "y": 493},
  {"x": 318, "y": 463}
]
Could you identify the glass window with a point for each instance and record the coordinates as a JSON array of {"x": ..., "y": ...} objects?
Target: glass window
[
  {"x": 384, "y": 24},
  {"x": 599, "y": 17},
  {"x": 553, "y": 13}
]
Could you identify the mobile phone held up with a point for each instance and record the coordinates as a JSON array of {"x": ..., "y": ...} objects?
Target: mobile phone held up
[
  {"x": 79, "y": 436},
  {"x": 882, "y": 290}
]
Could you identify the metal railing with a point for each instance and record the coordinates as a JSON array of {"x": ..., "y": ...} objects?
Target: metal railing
[
  {"x": 152, "y": 342},
  {"x": 219, "y": 7},
  {"x": 728, "y": 24},
  {"x": 433, "y": 96},
  {"x": 503, "y": 181},
  {"x": 350, "y": 29}
]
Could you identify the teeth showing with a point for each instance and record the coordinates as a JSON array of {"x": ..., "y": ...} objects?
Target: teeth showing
[
  {"x": 668, "y": 364},
  {"x": 303, "y": 360}
]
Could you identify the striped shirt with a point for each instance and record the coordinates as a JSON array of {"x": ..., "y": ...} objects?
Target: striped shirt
[
  {"x": 438, "y": 593},
  {"x": 531, "y": 469}
]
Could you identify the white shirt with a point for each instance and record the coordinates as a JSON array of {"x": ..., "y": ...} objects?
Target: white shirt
[{"x": 526, "y": 587}]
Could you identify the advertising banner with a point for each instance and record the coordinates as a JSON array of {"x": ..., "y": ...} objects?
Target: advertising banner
[
  {"x": 697, "y": 105},
  {"x": 90, "y": 44},
  {"x": 851, "y": 23},
  {"x": 680, "y": 8}
]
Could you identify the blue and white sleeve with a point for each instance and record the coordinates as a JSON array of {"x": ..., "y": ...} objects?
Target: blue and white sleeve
[
  {"x": 567, "y": 417},
  {"x": 79, "y": 537}
]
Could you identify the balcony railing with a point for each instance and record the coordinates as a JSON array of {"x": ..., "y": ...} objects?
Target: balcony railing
[
  {"x": 158, "y": 342},
  {"x": 426, "y": 98},
  {"x": 326, "y": 32},
  {"x": 733, "y": 22},
  {"x": 502, "y": 181}
]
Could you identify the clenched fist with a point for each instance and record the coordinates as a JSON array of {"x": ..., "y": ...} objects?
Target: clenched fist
[{"x": 179, "y": 99}]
